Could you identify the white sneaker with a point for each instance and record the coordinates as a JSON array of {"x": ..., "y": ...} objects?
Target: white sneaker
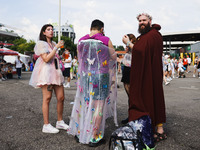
[
  {"x": 68, "y": 85},
  {"x": 48, "y": 128},
  {"x": 194, "y": 75},
  {"x": 61, "y": 125},
  {"x": 3, "y": 79},
  {"x": 167, "y": 83}
]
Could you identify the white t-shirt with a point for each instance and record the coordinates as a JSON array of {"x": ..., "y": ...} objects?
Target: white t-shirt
[
  {"x": 68, "y": 64},
  {"x": 18, "y": 63},
  {"x": 189, "y": 60},
  {"x": 75, "y": 62}
]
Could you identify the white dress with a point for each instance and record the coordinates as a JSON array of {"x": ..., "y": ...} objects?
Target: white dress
[{"x": 45, "y": 73}]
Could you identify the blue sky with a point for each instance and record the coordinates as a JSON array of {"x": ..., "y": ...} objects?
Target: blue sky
[{"x": 119, "y": 17}]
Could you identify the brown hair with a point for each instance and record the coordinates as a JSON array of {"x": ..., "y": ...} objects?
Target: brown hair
[{"x": 42, "y": 36}]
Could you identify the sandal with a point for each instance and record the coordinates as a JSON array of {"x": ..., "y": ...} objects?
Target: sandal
[{"x": 159, "y": 137}]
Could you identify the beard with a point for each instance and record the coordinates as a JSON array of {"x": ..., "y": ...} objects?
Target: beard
[{"x": 144, "y": 30}]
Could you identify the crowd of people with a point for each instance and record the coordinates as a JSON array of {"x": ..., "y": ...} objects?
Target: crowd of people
[
  {"x": 145, "y": 69},
  {"x": 178, "y": 68},
  {"x": 6, "y": 71}
]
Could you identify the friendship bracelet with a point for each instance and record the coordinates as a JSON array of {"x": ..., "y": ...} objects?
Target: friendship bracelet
[
  {"x": 128, "y": 43},
  {"x": 55, "y": 48}
]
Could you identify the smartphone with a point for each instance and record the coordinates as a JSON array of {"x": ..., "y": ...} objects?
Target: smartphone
[{"x": 56, "y": 63}]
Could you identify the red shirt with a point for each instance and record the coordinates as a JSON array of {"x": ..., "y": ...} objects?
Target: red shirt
[{"x": 185, "y": 61}]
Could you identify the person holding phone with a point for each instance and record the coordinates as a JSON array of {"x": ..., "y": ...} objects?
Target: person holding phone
[{"x": 48, "y": 76}]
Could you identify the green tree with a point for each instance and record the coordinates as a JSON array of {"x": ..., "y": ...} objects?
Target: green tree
[
  {"x": 21, "y": 45},
  {"x": 68, "y": 44},
  {"x": 119, "y": 48}
]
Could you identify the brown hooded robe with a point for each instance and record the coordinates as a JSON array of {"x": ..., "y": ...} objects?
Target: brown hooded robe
[{"x": 146, "y": 89}]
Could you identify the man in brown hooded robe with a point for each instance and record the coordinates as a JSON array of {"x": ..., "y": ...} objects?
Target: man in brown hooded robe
[{"x": 146, "y": 89}]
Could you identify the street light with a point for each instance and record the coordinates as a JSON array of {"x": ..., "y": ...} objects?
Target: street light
[{"x": 59, "y": 20}]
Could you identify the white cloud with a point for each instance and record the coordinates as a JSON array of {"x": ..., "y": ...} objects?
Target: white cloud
[
  {"x": 119, "y": 16},
  {"x": 25, "y": 21}
]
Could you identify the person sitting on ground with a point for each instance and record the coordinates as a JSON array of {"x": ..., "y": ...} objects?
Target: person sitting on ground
[
  {"x": 4, "y": 71},
  {"x": 9, "y": 72}
]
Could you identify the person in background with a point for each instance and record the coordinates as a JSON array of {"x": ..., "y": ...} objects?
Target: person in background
[
  {"x": 18, "y": 65},
  {"x": 67, "y": 63},
  {"x": 127, "y": 69},
  {"x": 146, "y": 83},
  {"x": 9, "y": 73},
  {"x": 185, "y": 62},
  {"x": 195, "y": 66},
  {"x": 198, "y": 67},
  {"x": 4, "y": 70},
  {"x": 189, "y": 63},
  {"x": 48, "y": 76},
  {"x": 75, "y": 67},
  {"x": 165, "y": 72},
  {"x": 1, "y": 72}
]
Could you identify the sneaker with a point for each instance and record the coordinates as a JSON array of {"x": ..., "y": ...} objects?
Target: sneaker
[
  {"x": 68, "y": 85},
  {"x": 64, "y": 85},
  {"x": 3, "y": 79},
  {"x": 194, "y": 75},
  {"x": 48, "y": 128},
  {"x": 61, "y": 125},
  {"x": 167, "y": 83}
]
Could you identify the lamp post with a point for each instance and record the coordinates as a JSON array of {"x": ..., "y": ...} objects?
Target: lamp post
[{"x": 59, "y": 20}]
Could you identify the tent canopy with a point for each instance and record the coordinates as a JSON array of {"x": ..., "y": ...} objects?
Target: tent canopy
[
  {"x": 11, "y": 59},
  {"x": 6, "y": 51}
]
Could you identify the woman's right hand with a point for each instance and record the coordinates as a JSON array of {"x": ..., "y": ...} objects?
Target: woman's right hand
[
  {"x": 125, "y": 39},
  {"x": 60, "y": 43}
]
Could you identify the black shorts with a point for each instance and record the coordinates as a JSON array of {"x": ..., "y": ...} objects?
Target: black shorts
[
  {"x": 66, "y": 72},
  {"x": 126, "y": 75}
]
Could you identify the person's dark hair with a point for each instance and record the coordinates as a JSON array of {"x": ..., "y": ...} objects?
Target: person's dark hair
[
  {"x": 97, "y": 24},
  {"x": 132, "y": 38},
  {"x": 42, "y": 36}
]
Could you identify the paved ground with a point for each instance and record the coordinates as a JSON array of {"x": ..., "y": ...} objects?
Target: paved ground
[{"x": 21, "y": 116}]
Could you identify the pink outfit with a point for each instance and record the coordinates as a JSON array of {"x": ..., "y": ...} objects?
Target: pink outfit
[{"x": 45, "y": 73}]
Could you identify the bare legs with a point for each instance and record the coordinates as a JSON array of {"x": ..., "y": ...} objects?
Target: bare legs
[
  {"x": 59, "y": 91},
  {"x": 127, "y": 87},
  {"x": 98, "y": 114},
  {"x": 159, "y": 134}
]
